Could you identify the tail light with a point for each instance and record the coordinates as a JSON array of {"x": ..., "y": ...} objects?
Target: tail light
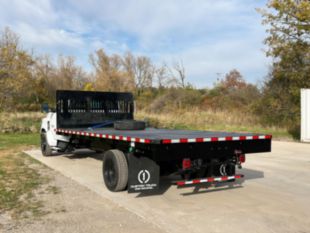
[
  {"x": 186, "y": 164},
  {"x": 242, "y": 158}
]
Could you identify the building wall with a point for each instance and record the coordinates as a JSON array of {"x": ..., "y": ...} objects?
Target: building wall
[{"x": 305, "y": 115}]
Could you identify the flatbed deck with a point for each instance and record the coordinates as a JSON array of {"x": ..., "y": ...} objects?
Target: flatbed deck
[{"x": 162, "y": 136}]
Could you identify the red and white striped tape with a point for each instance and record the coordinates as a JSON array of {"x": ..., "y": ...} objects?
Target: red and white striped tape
[
  {"x": 216, "y": 139},
  {"x": 106, "y": 136},
  {"x": 163, "y": 141},
  {"x": 209, "y": 180}
]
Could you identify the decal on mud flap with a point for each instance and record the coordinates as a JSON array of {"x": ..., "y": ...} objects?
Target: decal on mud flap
[{"x": 143, "y": 174}]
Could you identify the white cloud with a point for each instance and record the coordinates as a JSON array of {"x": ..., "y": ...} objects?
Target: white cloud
[
  {"x": 209, "y": 36},
  {"x": 50, "y": 37}
]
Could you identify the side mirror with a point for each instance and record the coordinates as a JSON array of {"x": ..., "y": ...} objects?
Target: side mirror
[{"x": 44, "y": 108}]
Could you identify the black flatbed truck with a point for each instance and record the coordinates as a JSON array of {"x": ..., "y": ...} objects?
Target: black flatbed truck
[{"x": 135, "y": 159}]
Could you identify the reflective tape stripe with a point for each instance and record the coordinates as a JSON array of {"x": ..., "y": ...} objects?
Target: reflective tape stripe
[
  {"x": 209, "y": 179},
  {"x": 113, "y": 137},
  {"x": 215, "y": 139}
]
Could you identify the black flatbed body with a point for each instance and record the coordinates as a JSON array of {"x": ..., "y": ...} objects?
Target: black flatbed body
[
  {"x": 168, "y": 144},
  {"x": 164, "y": 136},
  {"x": 145, "y": 155}
]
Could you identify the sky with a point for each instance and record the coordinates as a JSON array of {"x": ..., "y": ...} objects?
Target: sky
[{"x": 209, "y": 37}]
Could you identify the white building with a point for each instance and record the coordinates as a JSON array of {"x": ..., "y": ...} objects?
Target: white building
[{"x": 305, "y": 115}]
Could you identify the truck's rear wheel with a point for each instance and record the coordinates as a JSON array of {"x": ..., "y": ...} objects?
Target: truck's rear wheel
[
  {"x": 45, "y": 148},
  {"x": 115, "y": 170}
]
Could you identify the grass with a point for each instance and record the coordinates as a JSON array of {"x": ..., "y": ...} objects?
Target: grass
[
  {"x": 20, "y": 122},
  {"x": 10, "y": 140},
  {"x": 18, "y": 182},
  {"x": 196, "y": 119},
  {"x": 20, "y": 177}
]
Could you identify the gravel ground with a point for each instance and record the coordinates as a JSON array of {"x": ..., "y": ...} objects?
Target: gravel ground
[{"x": 70, "y": 207}]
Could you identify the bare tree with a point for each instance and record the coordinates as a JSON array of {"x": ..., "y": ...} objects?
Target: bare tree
[
  {"x": 162, "y": 76},
  {"x": 141, "y": 68},
  {"x": 180, "y": 70}
]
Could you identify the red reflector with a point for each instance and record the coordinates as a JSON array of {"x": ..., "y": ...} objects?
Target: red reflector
[
  {"x": 242, "y": 158},
  {"x": 166, "y": 141},
  {"x": 211, "y": 179},
  {"x": 186, "y": 164},
  {"x": 199, "y": 139},
  {"x": 180, "y": 183},
  {"x": 183, "y": 140},
  {"x": 147, "y": 141}
]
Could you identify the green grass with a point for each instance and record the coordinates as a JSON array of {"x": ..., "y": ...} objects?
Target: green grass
[
  {"x": 9, "y": 140},
  {"x": 17, "y": 184},
  {"x": 20, "y": 178}
]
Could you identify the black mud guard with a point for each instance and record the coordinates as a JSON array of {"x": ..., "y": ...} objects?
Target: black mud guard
[{"x": 143, "y": 174}]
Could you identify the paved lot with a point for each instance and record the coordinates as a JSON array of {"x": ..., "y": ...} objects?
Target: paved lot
[{"x": 273, "y": 197}]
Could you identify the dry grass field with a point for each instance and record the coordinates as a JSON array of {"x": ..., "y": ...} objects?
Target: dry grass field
[
  {"x": 210, "y": 120},
  {"x": 29, "y": 122},
  {"x": 20, "y": 122}
]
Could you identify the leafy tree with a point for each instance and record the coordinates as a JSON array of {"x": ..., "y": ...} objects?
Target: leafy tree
[
  {"x": 233, "y": 93},
  {"x": 69, "y": 75},
  {"x": 109, "y": 72},
  {"x": 289, "y": 45},
  {"x": 16, "y": 80}
]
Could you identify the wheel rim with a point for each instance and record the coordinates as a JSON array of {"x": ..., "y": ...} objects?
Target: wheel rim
[{"x": 110, "y": 173}]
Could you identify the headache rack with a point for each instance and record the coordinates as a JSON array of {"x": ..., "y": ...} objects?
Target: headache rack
[{"x": 85, "y": 109}]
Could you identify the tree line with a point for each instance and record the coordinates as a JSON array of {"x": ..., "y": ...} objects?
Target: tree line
[{"x": 27, "y": 80}]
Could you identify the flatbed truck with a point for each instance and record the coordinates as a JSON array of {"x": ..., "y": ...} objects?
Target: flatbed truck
[{"x": 135, "y": 156}]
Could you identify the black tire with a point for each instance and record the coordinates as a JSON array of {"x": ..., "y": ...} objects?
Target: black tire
[
  {"x": 115, "y": 170},
  {"x": 129, "y": 125},
  {"x": 45, "y": 148}
]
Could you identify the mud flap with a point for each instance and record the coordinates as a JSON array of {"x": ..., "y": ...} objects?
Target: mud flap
[{"x": 143, "y": 174}]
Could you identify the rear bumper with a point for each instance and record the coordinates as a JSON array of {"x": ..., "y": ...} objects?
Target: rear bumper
[{"x": 208, "y": 180}]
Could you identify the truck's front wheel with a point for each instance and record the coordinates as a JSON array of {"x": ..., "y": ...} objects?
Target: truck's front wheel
[
  {"x": 115, "y": 170},
  {"x": 45, "y": 148}
]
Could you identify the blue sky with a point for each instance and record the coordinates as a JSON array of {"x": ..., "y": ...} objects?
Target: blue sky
[{"x": 210, "y": 37}]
